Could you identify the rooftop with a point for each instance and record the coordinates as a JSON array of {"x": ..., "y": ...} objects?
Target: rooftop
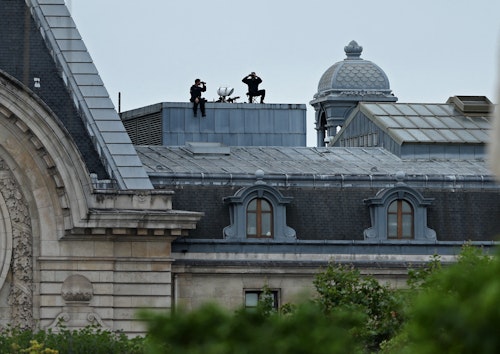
[{"x": 167, "y": 165}]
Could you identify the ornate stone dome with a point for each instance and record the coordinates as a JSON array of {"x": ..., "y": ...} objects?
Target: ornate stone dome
[{"x": 354, "y": 76}]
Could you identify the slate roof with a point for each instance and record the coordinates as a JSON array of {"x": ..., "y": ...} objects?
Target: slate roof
[
  {"x": 308, "y": 161},
  {"x": 88, "y": 93}
]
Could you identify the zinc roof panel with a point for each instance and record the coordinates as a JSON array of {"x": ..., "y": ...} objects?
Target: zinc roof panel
[
  {"x": 435, "y": 135},
  {"x": 435, "y": 122},
  {"x": 466, "y": 136},
  {"x": 421, "y": 110},
  {"x": 467, "y": 122},
  {"x": 437, "y": 109},
  {"x": 404, "y": 122},
  {"x": 480, "y": 135},
  {"x": 388, "y": 122},
  {"x": 391, "y": 109},
  {"x": 420, "y": 122},
  {"x": 482, "y": 122},
  {"x": 419, "y": 135},
  {"x": 448, "y": 108},
  {"x": 403, "y": 135},
  {"x": 451, "y": 123},
  {"x": 450, "y": 135},
  {"x": 375, "y": 109},
  {"x": 406, "y": 109}
]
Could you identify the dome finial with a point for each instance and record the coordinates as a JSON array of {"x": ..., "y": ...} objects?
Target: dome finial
[{"x": 353, "y": 50}]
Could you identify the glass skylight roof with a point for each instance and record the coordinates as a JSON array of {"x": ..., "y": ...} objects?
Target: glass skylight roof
[{"x": 424, "y": 123}]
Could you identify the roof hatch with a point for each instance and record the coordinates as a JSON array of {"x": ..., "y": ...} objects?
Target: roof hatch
[{"x": 472, "y": 104}]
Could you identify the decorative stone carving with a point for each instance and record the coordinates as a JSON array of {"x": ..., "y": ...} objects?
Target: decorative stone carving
[
  {"x": 21, "y": 291},
  {"x": 76, "y": 317},
  {"x": 77, "y": 291},
  {"x": 77, "y": 288}
]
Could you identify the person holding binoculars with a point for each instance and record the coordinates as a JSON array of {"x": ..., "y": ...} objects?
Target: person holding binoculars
[
  {"x": 196, "y": 90},
  {"x": 253, "y": 81}
]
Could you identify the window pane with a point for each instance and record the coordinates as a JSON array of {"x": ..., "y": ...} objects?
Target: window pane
[
  {"x": 251, "y": 224},
  {"x": 406, "y": 207},
  {"x": 392, "y": 226},
  {"x": 252, "y": 205},
  {"x": 265, "y": 205},
  {"x": 407, "y": 226},
  {"x": 266, "y": 225},
  {"x": 393, "y": 208},
  {"x": 251, "y": 299}
]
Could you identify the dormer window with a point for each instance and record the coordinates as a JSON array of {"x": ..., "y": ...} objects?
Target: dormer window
[
  {"x": 258, "y": 213},
  {"x": 399, "y": 213}
]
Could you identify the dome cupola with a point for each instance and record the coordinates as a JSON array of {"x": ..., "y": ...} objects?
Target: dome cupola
[
  {"x": 342, "y": 86},
  {"x": 354, "y": 76}
]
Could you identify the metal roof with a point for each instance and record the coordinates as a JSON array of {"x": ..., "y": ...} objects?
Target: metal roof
[
  {"x": 427, "y": 123},
  {"x": 306, "y": 161},
  {"x": 89, "y": 94}
]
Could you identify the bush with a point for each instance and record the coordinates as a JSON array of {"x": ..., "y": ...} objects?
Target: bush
[
  {"x": 212, "y": 330},
  {"x": 91, "y": 339}
]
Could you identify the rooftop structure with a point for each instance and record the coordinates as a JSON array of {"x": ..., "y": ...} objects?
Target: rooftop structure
[{"x": 231, "y": 124}]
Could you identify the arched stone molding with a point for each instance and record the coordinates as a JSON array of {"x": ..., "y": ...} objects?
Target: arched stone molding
[{"x": 43, "y": 158}]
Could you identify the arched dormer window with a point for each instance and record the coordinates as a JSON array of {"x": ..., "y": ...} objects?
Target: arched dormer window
[
  {"x": 399, "y": 213},
  {"x": 259, "y": 219},
  {"x": 258, "y": 213}
]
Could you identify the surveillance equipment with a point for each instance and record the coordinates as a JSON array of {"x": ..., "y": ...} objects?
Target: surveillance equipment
[{"x": 225, "y": 91}]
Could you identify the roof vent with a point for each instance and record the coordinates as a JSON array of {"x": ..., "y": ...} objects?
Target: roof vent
[
  {"x": 472, "y": 104},
  {"x": 198, "y": 148}
]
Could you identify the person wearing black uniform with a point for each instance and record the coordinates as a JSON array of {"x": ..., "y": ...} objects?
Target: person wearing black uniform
[
  {"x": 253, "y": 82},
  {"x": 196, "y": 90}
]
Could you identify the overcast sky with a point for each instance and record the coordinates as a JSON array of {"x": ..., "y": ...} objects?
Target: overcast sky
[{"x": 152, "y": 50}]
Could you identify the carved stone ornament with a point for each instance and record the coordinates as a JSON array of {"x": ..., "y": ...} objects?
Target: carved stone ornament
[
  {"x": 20, "y": 297},
  {"x": 77, "y": 288}
]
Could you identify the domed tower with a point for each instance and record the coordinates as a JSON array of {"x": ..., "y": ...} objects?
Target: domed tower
[{"x": 343, "y": 86}]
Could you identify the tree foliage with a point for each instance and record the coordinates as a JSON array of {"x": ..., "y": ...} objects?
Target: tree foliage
[
  {"x": 342, "y": 287},
  {"x": 212, "y": 330},
  {"x": 456, "y": 311}
]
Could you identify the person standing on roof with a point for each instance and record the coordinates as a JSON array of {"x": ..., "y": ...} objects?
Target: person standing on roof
[
  {"x": 195, "y": 91},
  {"x": 253, "y": 82}
]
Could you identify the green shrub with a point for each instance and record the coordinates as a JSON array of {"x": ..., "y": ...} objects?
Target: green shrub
[
  {"x": 212, "y": 330},
  {"x": 91, "y": 339}
]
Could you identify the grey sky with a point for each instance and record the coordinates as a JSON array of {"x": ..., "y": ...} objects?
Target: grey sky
[{"x": 151, "y": 51}]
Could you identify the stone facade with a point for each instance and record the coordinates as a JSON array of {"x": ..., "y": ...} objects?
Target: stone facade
[{"x": 55, "y": 226}]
